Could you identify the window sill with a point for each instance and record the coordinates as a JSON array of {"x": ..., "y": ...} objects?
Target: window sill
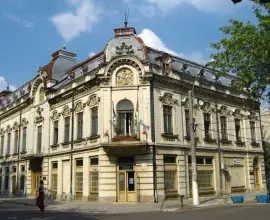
[
  {"x": 255, "y": 144},
  {"x": 240, "y": 143},
  {"x": 210, "y": 140},
  {"x": 1, "y": 157},
  {"x": 66, "y": 143},
  {"x": 8, "y": 155},
  {"x": 24, "y": 152},
  {"x": 79, "y": 140},
  {"x": 226, "y": 141},
  {"x": 173, "y": 136},
  {"x": 54, "y": 145},
  {"x": 125, "y": 138},
  {"x": 187, "y": 138},
  {"x": 93, "y": 137},
  {"x": 15, "y": 154}
]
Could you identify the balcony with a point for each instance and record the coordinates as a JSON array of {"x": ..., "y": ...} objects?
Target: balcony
[
  {"x": 255, "y": 144},
  {"x": 127, "y": 137}
]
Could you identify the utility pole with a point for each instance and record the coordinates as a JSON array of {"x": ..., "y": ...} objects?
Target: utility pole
[{"x": 193, "y": 151}]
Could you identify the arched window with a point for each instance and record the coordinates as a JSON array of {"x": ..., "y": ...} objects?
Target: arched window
[
  {"x": 41, "y": 95},
  {"x": 125, "y": 111}
]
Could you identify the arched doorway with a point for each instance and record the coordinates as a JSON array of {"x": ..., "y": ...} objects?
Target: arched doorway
[{"x": 257, "y": 174}]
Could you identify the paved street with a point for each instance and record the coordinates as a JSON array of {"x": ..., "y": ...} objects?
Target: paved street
[{"x": 247, "y": 212}]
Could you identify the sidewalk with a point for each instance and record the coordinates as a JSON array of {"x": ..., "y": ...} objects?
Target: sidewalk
[{"x": 121, "y": 208}]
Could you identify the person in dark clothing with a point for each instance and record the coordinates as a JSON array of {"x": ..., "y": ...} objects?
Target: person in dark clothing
[{"x": 40, "y": 198}]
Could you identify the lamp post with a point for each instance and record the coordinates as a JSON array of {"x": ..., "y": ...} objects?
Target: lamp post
[{"x": 195, "y": 191}]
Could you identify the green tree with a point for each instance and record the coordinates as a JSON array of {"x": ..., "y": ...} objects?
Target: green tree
[
  {"x": 245, "y": 52},
  {"x": 258, "y": 1}
]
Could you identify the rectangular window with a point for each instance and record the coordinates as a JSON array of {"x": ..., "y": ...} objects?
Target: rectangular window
[
  {"x": 94, "y": 121},
  {"x": 22, "y": 182},
  {"x": 167, "y": 115},
  {"x": 78, "y": 185},
  {"x": 22, "y": 168},
  {"x": 93, "y": 161},
  {"x": 79, "y": 125},
  {"x": 252, "y": 131},
  {"x": 93, "y": 182},
  {"x": 207, "y": 122},
  {"x": 223, "y": 123},
  {"x": 67, "y": 128},
  {"x": 6, "y": 178},
  {"x": 39, "y": 139},
  {"x": 187, "y": 123},
  {"x": 24, "y": 139},
  {"x": 8, "y": 144},
  {"x": 169, "y": 159},
  {"x": 55, "y": 132},
  {"x": 2, "y": 146},
  {"x": 54, "y": 176},
  {"x": 237, "y": 130},
  {"x": 79, "y": 163},
  {"x": 16, "y": 143}
]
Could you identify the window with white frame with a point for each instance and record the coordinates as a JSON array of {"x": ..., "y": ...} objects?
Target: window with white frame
[
  {"x": 16, "y": 142},
  {"x": 55, "y": 132},
  {"x": 79, "y": 125},
  {"x": 67, "y": 129},
  {"x": 167, "y": 117},
  {"x": 94, "y": 121},
  {"x": 125, "y": 112}
]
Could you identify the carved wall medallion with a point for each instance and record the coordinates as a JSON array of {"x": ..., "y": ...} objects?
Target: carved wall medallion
[
  {"x": 24, "y": 122},
  {"x": 78, "y": 107},
  {"x": 253, "y": 117},
  {"x": 2, "y": 131},
  {"x": 85, "y": 69},
  {"x": 167, "y": 99},
  {"x": 124, "y": 77},
  {"x": 9, "y": 129},
  {"x": 121, "y": 62},
  {"x": 124, "y": 49},
  {"x": 207, "y": 107},
  {"x": 237, "y": 114},
  {"x": 93, "y": 101},
  {"x": 55, "y": 116},
  {"x": 224, "y": 111},
  {"x": 66, "y": 111},
  {"x": 16, "y": 126},
  {"x": 39, "y": 110}
]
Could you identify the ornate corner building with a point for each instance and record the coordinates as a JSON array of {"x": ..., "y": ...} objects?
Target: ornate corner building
[{"x": 115, "y": 128}]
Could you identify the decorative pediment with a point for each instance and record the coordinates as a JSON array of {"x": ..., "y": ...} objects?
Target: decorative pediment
[
  {"x": 124, "y": 49},
  {"x": 2, "y": 131},
  {"x": 207, "y": 108},
  {"x": 253, "y": 117},
  {"x": 85, "y": 69},
  {"x": 66, "y": 111},
  {"x": 39, "y": 117},
  {"x": 24, "y": 122},
  {"x": 55, "y": 116},
  {"x": 16, "y": 126},
  {"x": 39, "y": 110},
  {"x": 93, "y": 101},
  {"x": 9, "y": 129},
  {"x": 124, "y": 77},
  {"x": 167, "y": 99},
  {"x": 224, "y": 111},
  {"x": 78, "y": 107},
  {"x": 238, "y": 114}
]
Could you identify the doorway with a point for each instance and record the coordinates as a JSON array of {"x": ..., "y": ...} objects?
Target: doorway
[
  {"x": 126, "y": 180},
  {"x": 257, "y": 174},
  {"x": 36, "y": 177}
]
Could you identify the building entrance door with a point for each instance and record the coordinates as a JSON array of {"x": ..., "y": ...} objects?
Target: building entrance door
[
  {"x": 126, "y": 181},
  {"x": 257, "y": 174},
  {"x": 36, "y": 177}
]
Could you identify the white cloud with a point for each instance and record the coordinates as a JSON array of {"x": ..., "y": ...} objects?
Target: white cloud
[
  {"x": 72, "y": 23},
  {"x": 3, "y": 84},
  {"x": 215, "y": 6},
  {"x": 148, "y": 10},
  {"x": 19, "y": 21},
  {"x": 152, "y": 40},
  {"x": 91, "y": 54}
]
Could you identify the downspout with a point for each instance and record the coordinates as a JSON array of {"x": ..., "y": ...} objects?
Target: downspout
[
  {"x": 19, "y": 146},
  {"x": 153, "y": 140},
  {"x": 72, "y": 143}
]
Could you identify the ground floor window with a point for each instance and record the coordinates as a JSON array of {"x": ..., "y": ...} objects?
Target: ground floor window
[
  {"x": 170, "y": 175},
  {"x": 205, "y": 175},
  {"x": 78, "y": 185},
  {"x": 0, "y": 183},
  {"x": 6, "y": 182},
  {"x": 22, "y": 182}
]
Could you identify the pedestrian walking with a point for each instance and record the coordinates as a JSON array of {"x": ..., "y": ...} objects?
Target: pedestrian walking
[{"x": 40, "y": 198}]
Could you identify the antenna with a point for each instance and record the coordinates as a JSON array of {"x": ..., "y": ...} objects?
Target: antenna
[
  {"x": 126, "y": 18},
  {"x": 64, "y": 46}
]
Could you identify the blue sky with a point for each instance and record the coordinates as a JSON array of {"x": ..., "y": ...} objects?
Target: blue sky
[{"x": 31, "y": 30}]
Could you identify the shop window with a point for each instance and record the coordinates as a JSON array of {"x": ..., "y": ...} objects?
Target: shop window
[
  {"x": 170, "y": 175},
  {"x": 6, "y": 178},
  {"x": 54, "y": 180},
  {"x": 22, "y": 182},
  {"x": 78, "y": 185}
]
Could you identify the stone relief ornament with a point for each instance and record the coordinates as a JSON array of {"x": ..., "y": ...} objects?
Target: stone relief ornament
[
  {"x": 16, "y": 126},
  {"x": 78, "y": 107},
  {"x": 207, "y": 107},
  {"x": 224, "y": 111},
  {"x": 167, "y": 99},
  {"x": 237, "y": 114},
  {"x": 124, "y": 49},
  {"x": 9, "y": 129},
  {"x": 55, "y": 116},
  {"x": 93, "y": 101},
  {"x": 24, "y": 122},
  {"x": 39, "y": 110},
  {"x": 252, "y": 116},
  {"x": 124, "y": 77},
  {"x": 85, "y": 69},
  {"x": 2, "y": 131},
  {"x": 66, "y": 111}
]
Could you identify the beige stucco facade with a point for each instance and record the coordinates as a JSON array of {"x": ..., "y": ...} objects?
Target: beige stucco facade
[{"x": 114, "y": 128}]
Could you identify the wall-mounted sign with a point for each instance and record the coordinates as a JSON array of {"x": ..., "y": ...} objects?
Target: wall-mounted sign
[{"x": 237, "y": 161}]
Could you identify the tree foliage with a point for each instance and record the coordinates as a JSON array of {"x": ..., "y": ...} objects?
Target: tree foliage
[{"x": 245, "y": 52}]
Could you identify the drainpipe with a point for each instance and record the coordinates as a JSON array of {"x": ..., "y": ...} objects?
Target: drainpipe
[
  {"x": 153, "y": 140},
  {"x": 71, "y": 145},
  {"x": 19, "y": 146}
]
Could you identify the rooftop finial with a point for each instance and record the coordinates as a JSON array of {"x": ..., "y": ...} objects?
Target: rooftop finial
[
  {"x": 64, "y": 47},
  {"x": 126, "y": 18}
]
